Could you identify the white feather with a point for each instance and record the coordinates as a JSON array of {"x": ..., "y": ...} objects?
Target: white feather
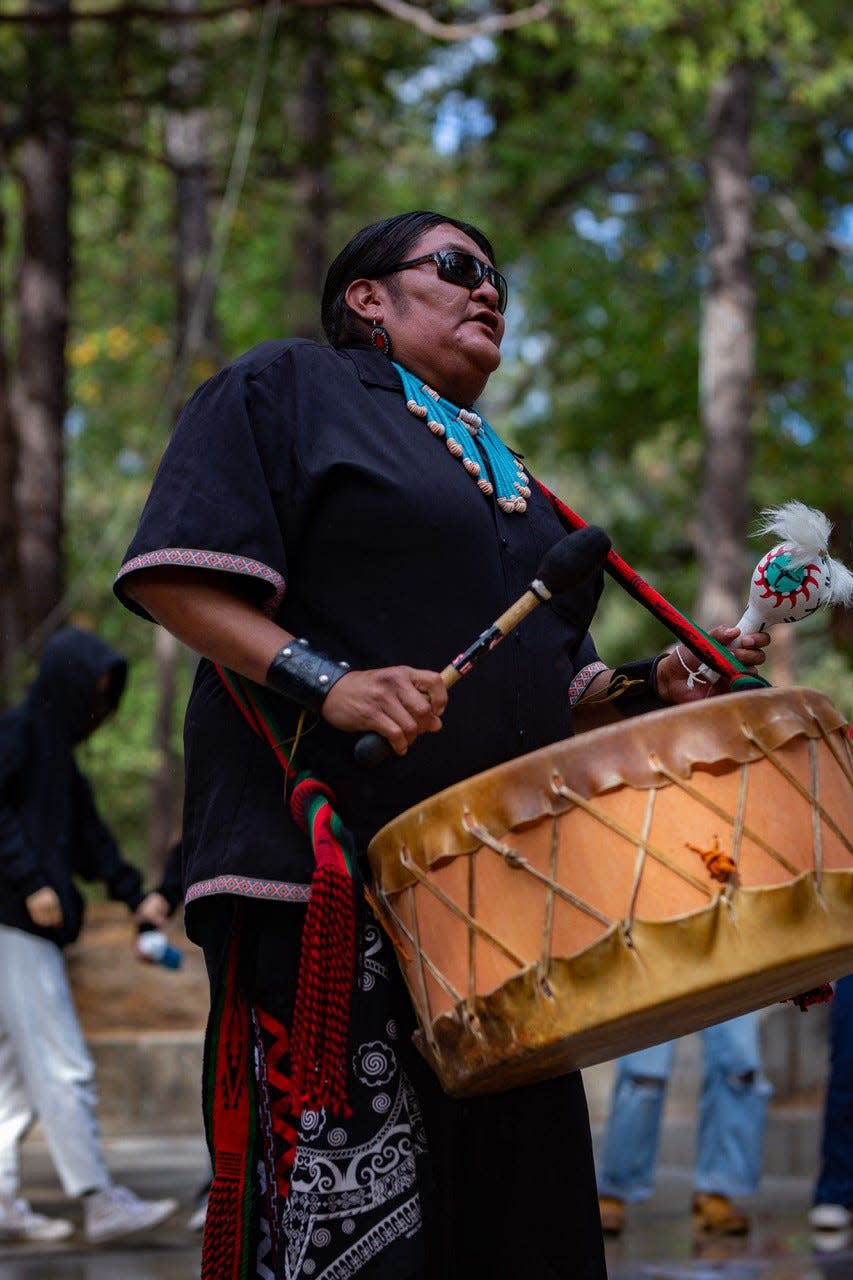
[
  {"x": 806, "y": 533},
  {"x": 805, "y": 527},
  {"x": 841, "y": 584}
]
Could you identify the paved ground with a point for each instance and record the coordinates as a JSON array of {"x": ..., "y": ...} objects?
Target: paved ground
[{"x": 657, "y": 1244}]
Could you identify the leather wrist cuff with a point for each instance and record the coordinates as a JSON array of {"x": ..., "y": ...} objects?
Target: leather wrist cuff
[
  {"x": 633, "y": 687},
  {"x": 303, "y": 675}
]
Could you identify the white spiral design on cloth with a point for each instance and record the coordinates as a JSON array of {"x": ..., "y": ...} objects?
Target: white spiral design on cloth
[
  {"x": 381, "y": 1103},
  {"x": 312, "y": 1124},
  {"x": 322, "y": 1238},
  {"x": 374, "y": 1064}
]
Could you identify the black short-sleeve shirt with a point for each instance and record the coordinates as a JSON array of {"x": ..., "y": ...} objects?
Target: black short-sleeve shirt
[{"x": 298, "y": 472}]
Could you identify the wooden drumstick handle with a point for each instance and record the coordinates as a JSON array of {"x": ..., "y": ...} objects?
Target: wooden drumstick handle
[
  {"x": 537, "y": 593},
  {"x": 371, "y": 748},
  {"x": 569, "y": 562}
]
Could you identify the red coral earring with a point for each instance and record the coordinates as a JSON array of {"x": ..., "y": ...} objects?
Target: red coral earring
[{"x": 380, "y": 338}]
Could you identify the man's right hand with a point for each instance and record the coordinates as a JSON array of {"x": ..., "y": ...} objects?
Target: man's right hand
[
  {"x": 397, "y": 702},
  {"x": 45, "y": 908}
]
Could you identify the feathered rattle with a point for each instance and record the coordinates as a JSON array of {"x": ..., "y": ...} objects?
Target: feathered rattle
[{"x": 796, "y": 577}]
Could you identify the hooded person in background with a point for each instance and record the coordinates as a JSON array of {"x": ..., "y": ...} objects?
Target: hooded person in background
[{"x": 50, "y": 832}]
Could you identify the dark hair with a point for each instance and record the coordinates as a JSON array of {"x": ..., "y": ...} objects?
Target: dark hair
[{"x": 373, "y": 252}]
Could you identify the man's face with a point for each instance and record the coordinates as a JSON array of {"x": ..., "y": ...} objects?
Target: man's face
[{"x": 447, "y": 334}]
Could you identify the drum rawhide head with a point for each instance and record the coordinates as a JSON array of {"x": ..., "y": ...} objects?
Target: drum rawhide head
[{"x": 624, "y": 887}]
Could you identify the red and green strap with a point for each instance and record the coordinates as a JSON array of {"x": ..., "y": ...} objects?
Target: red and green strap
[
  {"x": 716, "y": 655},
  {"x": 230, "y": 1117},
  {"x": 320, "y": 1031}
]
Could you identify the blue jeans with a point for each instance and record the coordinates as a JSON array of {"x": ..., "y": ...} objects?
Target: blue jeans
[
  {"x": 835, "y": 1180},
  {"x": 732, "y": 1115}
]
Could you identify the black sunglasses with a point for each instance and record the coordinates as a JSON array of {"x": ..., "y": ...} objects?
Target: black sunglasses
[{"x": 461, "y": 268}]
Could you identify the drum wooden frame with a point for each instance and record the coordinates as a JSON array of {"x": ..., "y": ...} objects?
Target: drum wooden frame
[{"x": 556, "y": 911}]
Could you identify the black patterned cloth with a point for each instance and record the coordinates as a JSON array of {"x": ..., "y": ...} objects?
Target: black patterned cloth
[
  {"x": 335, "y": 1196},
  {"x": 414, "y": 1185}
]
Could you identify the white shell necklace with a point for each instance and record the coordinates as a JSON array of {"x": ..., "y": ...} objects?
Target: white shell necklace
[{"x": 494, "y": 467}]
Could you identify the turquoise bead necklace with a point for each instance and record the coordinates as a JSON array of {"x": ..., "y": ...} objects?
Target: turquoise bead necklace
[{"x": 494, "y": 467}]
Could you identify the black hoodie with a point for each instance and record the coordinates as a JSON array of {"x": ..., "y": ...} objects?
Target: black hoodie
[{"x": 50, "y": 829}]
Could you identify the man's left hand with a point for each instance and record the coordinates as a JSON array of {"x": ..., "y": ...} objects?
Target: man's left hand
[{"x": 677, "y": 678}]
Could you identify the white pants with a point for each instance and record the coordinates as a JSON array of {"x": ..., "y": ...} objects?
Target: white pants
[{"x": 46, "y": 1070}]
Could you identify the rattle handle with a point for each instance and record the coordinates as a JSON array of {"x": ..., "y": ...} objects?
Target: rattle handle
[{"x": 750, "y": 621}]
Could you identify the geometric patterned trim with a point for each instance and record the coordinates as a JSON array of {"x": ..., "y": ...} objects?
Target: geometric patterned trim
[
  {"x": 189, "y": 558},
  {"x": 249, "y": 887},
  {"x": 584, "y": 679},
  {"x": 402, "y": 1221}
]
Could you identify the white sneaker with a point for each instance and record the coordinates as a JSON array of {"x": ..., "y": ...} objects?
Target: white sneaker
[
  {"x": 118, "y": 1211},
  {"x": 830, "y": 1217},
  {"x": 197, "y": 1218},
  {"x": 830, "y": 1241},
  {"x": 18, "y": 1221}
]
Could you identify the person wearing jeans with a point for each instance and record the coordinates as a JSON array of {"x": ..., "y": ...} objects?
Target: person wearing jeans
[
  {"x": 832, "y": 1210},
  {"x": 731, "y": 1123}
]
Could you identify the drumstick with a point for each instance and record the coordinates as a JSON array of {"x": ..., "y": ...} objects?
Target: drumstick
[{"x": 570, "y": 561}]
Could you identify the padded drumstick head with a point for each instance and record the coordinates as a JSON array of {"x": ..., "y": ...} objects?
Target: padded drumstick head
[{"x": 574, "y": 558}]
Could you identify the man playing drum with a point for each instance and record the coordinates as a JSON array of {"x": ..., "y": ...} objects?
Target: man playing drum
[{"x": 331, "y": 523}]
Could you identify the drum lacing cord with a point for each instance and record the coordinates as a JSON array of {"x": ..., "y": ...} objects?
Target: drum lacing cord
[
  {"x": 844, "y": 758},
  {"x": 381, "y": 910},
  {"x": 517, "y": 862},
  {"x": 737, "y": 838},
  {"x": 735, "y": 821},
  {"x": 566, "y": 793},
  {"x": 810, "y": 796},
  {"x": 468, "y": 920},
  {"x": 628, "y": 923},
  {"x": 548, "y": 921}
]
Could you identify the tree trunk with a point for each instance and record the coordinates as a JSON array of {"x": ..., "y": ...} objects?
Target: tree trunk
[
  {"x": 727, "y": 354},
  {"x": 782, "y": 658},
  {"x": 39, "y": 393},
  {"x": 311, "y": 126},
  {"x": 841, "y": 620},
  {"x": 10, "y": 629},
  {"x": 186, "y": 146}
]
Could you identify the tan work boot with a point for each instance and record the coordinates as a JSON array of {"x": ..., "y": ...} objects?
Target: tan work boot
[
  {"x": 716, "y": 1215},
  {"x": 612, "y": 1215}
]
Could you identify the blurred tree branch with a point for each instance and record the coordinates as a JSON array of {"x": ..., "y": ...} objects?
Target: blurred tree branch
[{"x": 489, "y": 24}]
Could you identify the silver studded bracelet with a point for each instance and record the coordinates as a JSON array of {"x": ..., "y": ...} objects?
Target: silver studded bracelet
[{"x": 304, "y": 675}]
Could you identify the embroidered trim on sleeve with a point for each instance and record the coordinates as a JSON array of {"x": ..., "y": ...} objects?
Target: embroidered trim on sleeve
[
  {"x": 190, "y": 558},
  {"x": 583, "y": 680}
]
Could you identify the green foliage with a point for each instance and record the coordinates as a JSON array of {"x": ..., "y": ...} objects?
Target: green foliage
[{"x": 597, "y": 166}]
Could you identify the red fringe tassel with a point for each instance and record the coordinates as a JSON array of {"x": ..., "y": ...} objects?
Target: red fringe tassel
[{"x": 319, "y": 1034}]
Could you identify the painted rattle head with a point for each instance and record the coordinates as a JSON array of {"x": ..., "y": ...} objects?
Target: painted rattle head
[{"x": 796, "y": 577}]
